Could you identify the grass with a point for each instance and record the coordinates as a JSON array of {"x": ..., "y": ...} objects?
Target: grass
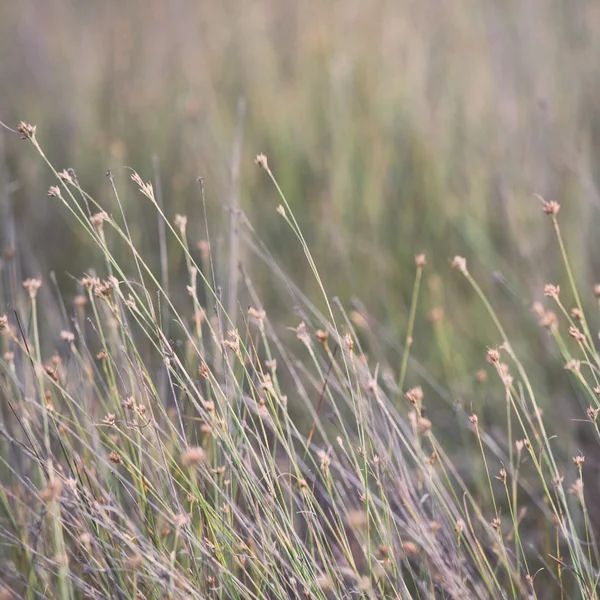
[
  {"x": 398, "y": 136},
  {"x": 252, "y": 461}
]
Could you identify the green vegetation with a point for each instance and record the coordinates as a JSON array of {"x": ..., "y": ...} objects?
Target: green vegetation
[{"x": 360, "y": 365}]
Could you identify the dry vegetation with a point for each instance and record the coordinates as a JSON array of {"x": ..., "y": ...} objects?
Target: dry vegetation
[{"x": 361, "y": 365}]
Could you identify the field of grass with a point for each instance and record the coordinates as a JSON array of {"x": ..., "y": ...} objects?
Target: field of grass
[{"x": 299, "y": 299}]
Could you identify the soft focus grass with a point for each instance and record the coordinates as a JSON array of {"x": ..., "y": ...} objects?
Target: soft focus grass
[{"x": 393, "y": 129}]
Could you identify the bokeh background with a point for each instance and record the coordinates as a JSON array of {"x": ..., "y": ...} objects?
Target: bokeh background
[{"x": 393, "y": 128}]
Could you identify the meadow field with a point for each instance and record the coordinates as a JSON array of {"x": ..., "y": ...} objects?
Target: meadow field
[{"x": 299, "y": 299}]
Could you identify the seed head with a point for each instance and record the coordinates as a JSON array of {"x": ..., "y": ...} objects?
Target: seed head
[
  {"x": 415, "y": 395},
  {"x": 193, "y": 456},
  {"x": 576, "y": 314},
  {"x": 349, "y": 342},
  {"x": 98, "y": 219},
  {"x": 3, "y": 323},
  {"x": 420, "y": 260},
  {"x": 549, "y": 320},
  {"x": 321, "y": 336},
  {"x": 551, "y": 207},
  {"x": 181, "y": 222},
  {"x": 27, "y": 131},
  {"x": 576, "y": 334},
  {"x": 493, "y": 356},
  {"x": 261, "y": 161},
  {"x": 32, "y": 286},
  {"x": 579, "y": 460},
  {"x": 54, "y": 192},
  {"x": 552, "y": 291},
  {"x": 460, "y": 263}
]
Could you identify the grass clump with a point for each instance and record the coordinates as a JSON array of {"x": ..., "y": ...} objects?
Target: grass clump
[{"x": 156, "y": 444}]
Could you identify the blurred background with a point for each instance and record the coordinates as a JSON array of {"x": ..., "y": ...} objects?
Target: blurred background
[{"x": 393, "y": 128}]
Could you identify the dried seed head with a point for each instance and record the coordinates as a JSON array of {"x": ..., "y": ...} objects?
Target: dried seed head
[
  {"x": 65, "y": 176},
  {"x": 115, "y": 458},
  {"x": 424, "y": 425},
  {"x": 577, "y": 488},
  {"x": 145, "y": 188},
  {"x": 322, "y": 336},
  {"x": 261, "y": 161},
  {"x": 495, "y": 523},
  {"x": 415, "y": 395},
  {"x": 410, "y": 548},
  {"x": 552, "y": 291},
  {"x": 193, "y": 456},
  {"x": 501, "y": 475},
  {"x": 302, "y": 334},
  {"x": 54, "y": 192},
  {"x": 27, "y": 131},
  {"x": 349, "y": 342},
  {"x": 233, "y": 341},
  {"x": 493, "y": 356},
  {"x": 474, "y": 419},
  {"x": 67, "y": 336},
  {"x": 592, "y": 413},
  {"x": 420, "y": 260},
  {"x": 576, "y": 314},
  {"x": 259, "y": 315},
  {"x": 505, "y": 375},
  {"x": 32, "y": 286},
  {"x": 98, "y": 219},
  {"x": 576, "y": 334},
  {"x": 324, "y": 459},
  {"x": 3, "y": 323},
  {"x": 537, "y": 308},
  {"x": 579, "y": 460},
  {"x": 460, "y": 263},
  {"x": 550, "y": 207},
  {"x": 109, "y": 420},
  {"x": 280, "y": 210},
  {"x": 549, "y": 320},
  {"x": 181, "y": 222},
  {"x": 573, "y": 365}
]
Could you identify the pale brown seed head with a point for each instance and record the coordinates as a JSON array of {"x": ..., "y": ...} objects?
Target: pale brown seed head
[
  {"x": 550, "y": 207},
  {"x": 420, "y": 260},
  {"x": 27, "y": 131},
  {"x": 552, "y": 291},
  {"x": 193, "y": 456},
  {"x": 493, "y": 356},
  {"x": 415, "y": 395},
  {"x": 576, "y": 314},
  {"x": 460, "y": 263},
  {"x": 261, "y": 161},
  {"x": 32, "y": 286}
]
